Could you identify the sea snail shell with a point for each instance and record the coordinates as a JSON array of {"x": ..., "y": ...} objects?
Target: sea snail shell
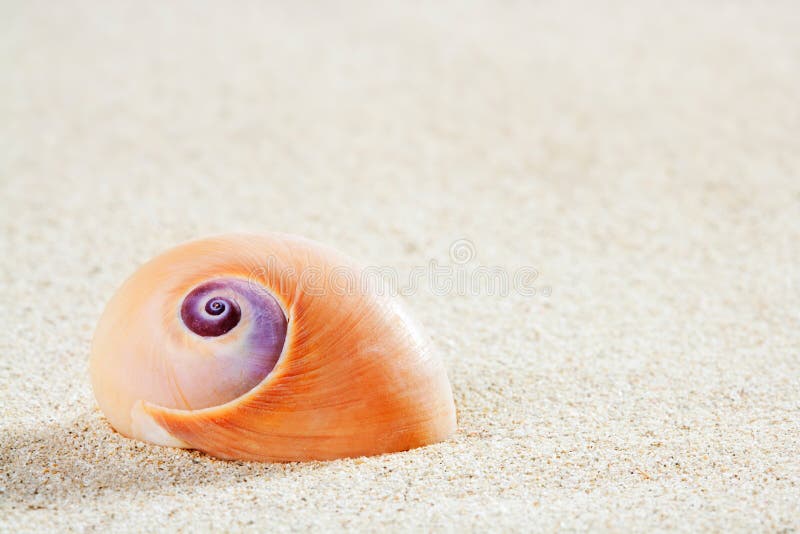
[{"x": 227, "y": 345}]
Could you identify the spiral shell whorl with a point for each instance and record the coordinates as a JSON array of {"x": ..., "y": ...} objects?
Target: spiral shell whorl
[
  {"x": 214, "y": 309},
  {"x": 207, "y": 314}
]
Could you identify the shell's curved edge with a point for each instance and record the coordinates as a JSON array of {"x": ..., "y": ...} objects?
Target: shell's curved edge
[{"x": 228, "y": 440}]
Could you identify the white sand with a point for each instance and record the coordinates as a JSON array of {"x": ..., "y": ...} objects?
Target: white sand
[{"x": 645, "y": 160}]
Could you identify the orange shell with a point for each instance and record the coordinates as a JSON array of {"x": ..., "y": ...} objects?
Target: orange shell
[{"x": 355, "y": 376}]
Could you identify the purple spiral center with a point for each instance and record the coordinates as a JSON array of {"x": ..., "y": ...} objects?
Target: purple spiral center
[
  {"x": 209, "y": 315},
  {"x": 216, "y": 306}
]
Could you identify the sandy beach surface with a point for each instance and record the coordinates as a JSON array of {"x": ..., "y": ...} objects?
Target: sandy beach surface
[{"x": 642, "y": 157}]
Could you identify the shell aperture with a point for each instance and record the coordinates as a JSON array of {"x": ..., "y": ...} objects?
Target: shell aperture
[{"x": 221, "y": 345}]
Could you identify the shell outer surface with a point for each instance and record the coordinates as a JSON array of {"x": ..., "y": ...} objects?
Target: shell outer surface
[{"x": 353, "y": 377}]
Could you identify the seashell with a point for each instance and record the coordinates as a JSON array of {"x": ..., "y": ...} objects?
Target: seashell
[{"x": 255, "y": 347}]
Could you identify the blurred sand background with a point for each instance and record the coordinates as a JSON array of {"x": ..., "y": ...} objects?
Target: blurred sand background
[{"x": 644, "y": 157}]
